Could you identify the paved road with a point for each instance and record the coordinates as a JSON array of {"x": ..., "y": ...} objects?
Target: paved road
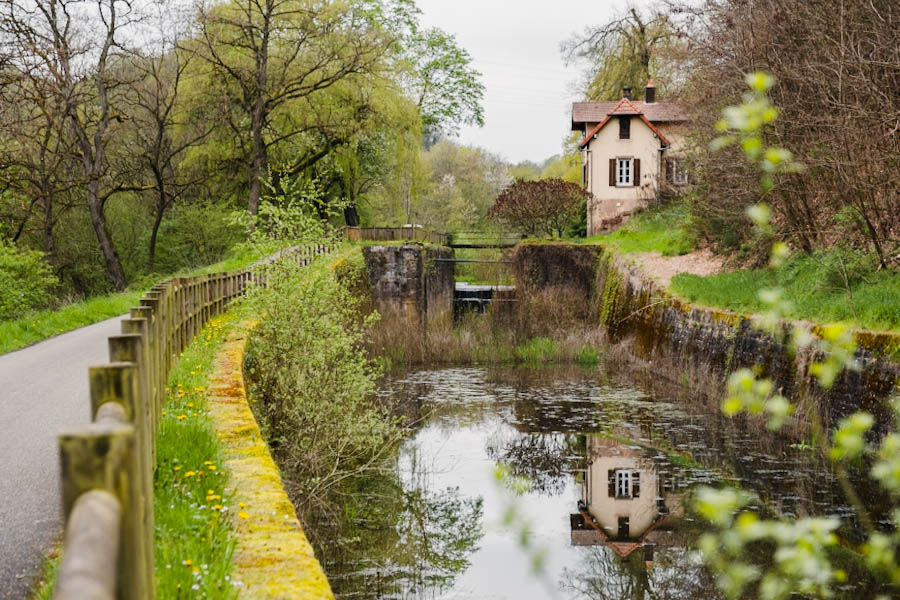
[{"x": 42, "y": 389}]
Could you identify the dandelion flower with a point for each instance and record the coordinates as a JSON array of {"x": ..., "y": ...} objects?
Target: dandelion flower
[{"x": 243, "y": 515}]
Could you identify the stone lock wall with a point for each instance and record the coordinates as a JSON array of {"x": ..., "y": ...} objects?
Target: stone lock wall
[
  {"x": 631, "y": 307},
  {"x": 408, "y": 282}
]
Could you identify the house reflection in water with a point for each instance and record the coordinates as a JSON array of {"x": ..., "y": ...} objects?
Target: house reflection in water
[{"x": 630, "y": 500}]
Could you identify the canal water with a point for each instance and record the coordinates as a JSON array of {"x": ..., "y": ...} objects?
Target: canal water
[{"x": 601, "y": 473}]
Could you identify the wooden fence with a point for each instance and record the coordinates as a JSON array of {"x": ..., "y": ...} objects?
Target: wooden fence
[
  {"x": 107, "y": 466},
  {"x": 389, "y": 234}
]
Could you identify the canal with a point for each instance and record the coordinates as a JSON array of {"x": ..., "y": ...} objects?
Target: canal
[{"x": 609, "y": 468}]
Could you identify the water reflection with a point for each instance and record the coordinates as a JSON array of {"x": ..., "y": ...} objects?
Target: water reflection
[{"x": 611, "y": 468}]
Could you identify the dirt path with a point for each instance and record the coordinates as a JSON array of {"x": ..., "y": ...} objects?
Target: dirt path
[{"x": 662, "y": 268}]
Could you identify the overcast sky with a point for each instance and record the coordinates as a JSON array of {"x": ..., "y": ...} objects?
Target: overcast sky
[{"x": 515, "y": 45}]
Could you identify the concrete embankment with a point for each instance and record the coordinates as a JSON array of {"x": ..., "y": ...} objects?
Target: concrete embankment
[
  {"x": 273, "y": 558},
  {"x": 666, "y": 330}
]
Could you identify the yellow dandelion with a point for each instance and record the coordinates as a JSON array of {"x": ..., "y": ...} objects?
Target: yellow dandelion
[
  {"x": 176, "y": 468},
  {"x": 242, "y": 504},
  {"x": 211, "y": 467},
  {"x": 189, "y": 474},
  {"x": 187, "y": 562},
  {"x": 210, "y": 492},
  {"x": 243, "y": 515},
  {"x": 207, "y": 462},
  {"x": 182, "y": 417},
  {"x": 190, "y": 405},
  {"x": 217, "y": 507},
  {"x": 196, "y": 571}
]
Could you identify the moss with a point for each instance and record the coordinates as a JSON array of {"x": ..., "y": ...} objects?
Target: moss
[{"x": 273, "y": 559}]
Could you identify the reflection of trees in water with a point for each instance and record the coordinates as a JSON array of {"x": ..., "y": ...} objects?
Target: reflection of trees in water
[
  {"x": 676, "y": 573},
  {"x": 387, "y": 542},
  {"x": 548, "y": 461}
]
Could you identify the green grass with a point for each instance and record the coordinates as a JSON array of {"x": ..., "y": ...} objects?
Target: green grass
[
  {"x": 537, "y": 350},
  {"x": 194, "y": 542},
  {"x": 45, "y": 584},
  {"x": 665, "y": 230},
  {"x": 44, "y": 324},
  {"x": 492, "y": 273},
  {"x": 41, "y": 325},
  {"x": 814, "y": 284}
]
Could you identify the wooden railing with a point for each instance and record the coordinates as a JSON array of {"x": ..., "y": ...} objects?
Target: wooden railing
[
  {"x": 107, "y": 466},
  {"x": 390, "y": 234}
]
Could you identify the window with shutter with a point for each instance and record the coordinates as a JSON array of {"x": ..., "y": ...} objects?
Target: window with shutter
[
  {"x": 624, "y": 168},
  {"x": 635, "y": 484},
  {"x": 611, "y": 479}
]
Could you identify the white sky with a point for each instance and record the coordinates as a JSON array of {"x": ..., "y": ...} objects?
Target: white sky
[{"x": 515, "y": 45}]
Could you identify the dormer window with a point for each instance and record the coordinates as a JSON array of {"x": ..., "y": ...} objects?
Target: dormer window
[{"x": 625, "y": 128}]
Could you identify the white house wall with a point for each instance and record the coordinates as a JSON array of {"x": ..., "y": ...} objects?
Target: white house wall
[{"x": 614, "y": 203}]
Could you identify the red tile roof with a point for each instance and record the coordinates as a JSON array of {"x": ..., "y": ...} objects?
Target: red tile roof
[
  {"x": 624, "y": 107},
  {"x": 658, "y": 112}
]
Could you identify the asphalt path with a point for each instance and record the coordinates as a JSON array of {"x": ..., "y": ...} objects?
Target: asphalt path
[{"x": 43, "y": 388}]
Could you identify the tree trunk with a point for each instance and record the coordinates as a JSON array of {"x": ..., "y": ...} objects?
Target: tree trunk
[{"x": 98, "y": 220}]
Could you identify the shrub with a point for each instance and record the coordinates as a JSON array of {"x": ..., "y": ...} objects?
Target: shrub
[
  {"x": 312, "y": 385},
  {"x": 26, "y": 281}
]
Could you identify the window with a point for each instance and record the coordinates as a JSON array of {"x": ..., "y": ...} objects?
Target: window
[
  {"x": 624, "y": 128},
  {"x": 676, "y": 171},
  {"x": 624, "y": 483},
  {"x": 623, "y": 172}
]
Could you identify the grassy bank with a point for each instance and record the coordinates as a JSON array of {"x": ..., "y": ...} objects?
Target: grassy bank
[
  {"x": 835, "y": 285},
  {"x": 194, "y": 542},
  {"x": 41, "y": 325},
  {"x": 665, "y": 230}
]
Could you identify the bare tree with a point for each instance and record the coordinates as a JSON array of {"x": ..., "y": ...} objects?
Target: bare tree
[{"x": 67, "y": 49}]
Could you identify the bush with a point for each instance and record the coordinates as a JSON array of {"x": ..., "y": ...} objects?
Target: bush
[
  {"x": 26, "y": 281},
  {"x": 312, "y": 385}
]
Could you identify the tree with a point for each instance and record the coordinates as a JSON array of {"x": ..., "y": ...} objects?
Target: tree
[
  {"x": 837, "y": 73},
  {"x": 441, "y": 81},
  {"x": 162, "y": 130},
  {"x": 625, "y": 52},
  {"x": 69, "y": 50},
  {"x": 272, "y": 54},
  {"x": 543, "y": 207}
]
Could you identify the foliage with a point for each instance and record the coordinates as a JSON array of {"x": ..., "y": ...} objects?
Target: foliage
[
  {"x": 26, "y": 279},
  {"x": 837, "y": 114},
  {"x": 813, "y": 284},
  {"x": 666, "y": 229},
  {"x": 193, "y": 543},
  {"x": 626, "y": 52},
  {"x": 442, "y": 82},
  {"x": 542, "y": 207},
  {"x": 311, "y": 383},
  {"x": 800, "y": 548},
  {"x": 463, "y": 184},
  {"x": 536, "y": 350}
]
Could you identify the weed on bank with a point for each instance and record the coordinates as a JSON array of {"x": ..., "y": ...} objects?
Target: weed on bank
[{"x": 194, "y": 540}]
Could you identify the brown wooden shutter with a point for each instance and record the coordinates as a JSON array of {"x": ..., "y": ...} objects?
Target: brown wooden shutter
[
  {"x": 612, "y": 172},
  {"x": 637, "y": 172},
  {"x": 635, "y": 484},
  {"x": 611, "y": 478}
]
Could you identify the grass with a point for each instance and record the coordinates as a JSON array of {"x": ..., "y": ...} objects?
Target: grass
[
  {"x": 45, "y": 584},
  {"x": 665, "y": 230},
  {"x": 44, "y": 324},
  {"x": 815, "y": 286},
  {"x": 493, "y": 273},
  {"x": 194, "y": 542},
  {"x": 41, "y": 325}
]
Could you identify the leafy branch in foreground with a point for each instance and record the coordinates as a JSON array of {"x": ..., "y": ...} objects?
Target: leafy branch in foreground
[{"x": 801, "y": 549}]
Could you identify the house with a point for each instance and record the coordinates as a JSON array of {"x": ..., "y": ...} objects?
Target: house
[
  {"x": 631, "y": 499},
  {"x": 630, "y": 150}
]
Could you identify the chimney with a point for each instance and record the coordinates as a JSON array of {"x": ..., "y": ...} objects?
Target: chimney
[
  {"x": 650, "y": 93},
  {"x": 626, "y": 92}
]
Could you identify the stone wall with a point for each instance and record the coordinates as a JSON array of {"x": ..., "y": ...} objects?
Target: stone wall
[
  {"x": 664, "y": 329},
  {"x": 406, "y": 281}
]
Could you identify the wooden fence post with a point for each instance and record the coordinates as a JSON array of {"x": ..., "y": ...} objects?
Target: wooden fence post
[
  {"x": 101, "y": 456},
  {"x": 119, "y": 383}
]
